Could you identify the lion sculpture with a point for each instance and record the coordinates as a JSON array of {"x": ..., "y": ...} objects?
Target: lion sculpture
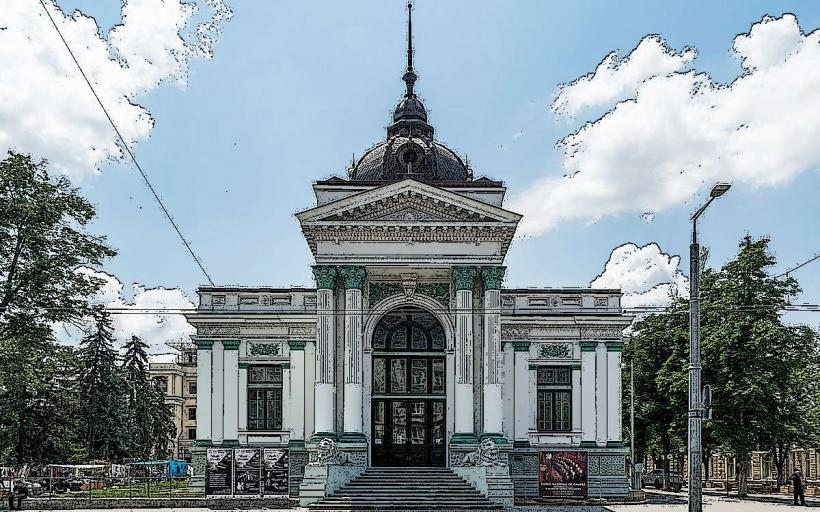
[{"x": 486, "y": 454}]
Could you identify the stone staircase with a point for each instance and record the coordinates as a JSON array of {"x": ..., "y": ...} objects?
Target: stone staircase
[{"x": 433, "y": 489}]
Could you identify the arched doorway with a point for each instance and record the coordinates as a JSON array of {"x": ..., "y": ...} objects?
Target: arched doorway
[{"x": 408, "y": 405}]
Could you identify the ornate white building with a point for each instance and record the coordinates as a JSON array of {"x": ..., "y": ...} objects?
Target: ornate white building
[{"x": 409, "y": 351}]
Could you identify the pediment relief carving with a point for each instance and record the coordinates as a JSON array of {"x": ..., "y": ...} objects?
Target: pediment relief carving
[{"x": 410, "y": 207}]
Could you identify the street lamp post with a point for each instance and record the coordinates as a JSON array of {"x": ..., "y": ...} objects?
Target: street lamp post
[{"x": 695, "y": 412}]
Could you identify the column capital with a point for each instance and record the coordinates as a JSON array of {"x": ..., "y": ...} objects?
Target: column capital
[
  {"x": 353, "y": 276},
  {"x": 533, "y": 366},
  {"x": 521, "y": 346},
  {"x": 243, "y": 365},
  {"x": 614, "y": 346},
  {"x": 204, "y": 344},
  {"x": 285, "y": 366},
  {"x": 464, "y": 277},
  {"x": 492, "y": 277},
  {"x": 230, "y": 344},
  {"x": 325, "y": 276},
  {"x": 588, "y": 346},
  {"x": 575, "y": 367},
  {"x": 296, "y": 345}
]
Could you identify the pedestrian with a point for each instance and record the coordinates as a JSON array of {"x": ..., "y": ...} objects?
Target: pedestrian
[
  {"x": 798, "y": 487},
  {"x": 19, "y": 491}
]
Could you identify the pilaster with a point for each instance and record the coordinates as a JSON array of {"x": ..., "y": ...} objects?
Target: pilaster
[
  {"x": 463, "y": 282},
  {"x": 353, "y": 277},
  {"x": 230, "y": 416},
  {"x": 523, "y": 401},
  {"x": 217, "y": 393},
  {"x": 613, "y": 404},
  {"x": 588, "y": 427},
  {"x": 325, "y": 388},
  {"x": 601, "y": 394},
  {"x": 203, "y": 391},
  {"x": 243, "y": 396},
  {"x": 297, "y": 391},
  {"x": 493, "y": 356},
  {"x": 576, "y": 397}
]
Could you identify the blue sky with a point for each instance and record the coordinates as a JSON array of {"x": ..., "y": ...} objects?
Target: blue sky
[{"x": 296, "y": 88}]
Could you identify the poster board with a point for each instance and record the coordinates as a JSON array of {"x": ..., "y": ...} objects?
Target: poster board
[
  {"x": 562, "y": 474},
  {"x": 246, "y": 471},
  {"x": 218, "y": 472},
  {"x": 275, "y": 467}
]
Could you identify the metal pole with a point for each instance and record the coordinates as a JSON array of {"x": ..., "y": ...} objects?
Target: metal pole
[
  {"x": 632, "y": 419},
  {"x": 695, "y": 491},
  {"x": 169, "y": 479}
]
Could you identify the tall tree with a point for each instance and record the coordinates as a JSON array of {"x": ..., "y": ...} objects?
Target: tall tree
[
  {"x": 102, "y": 392},
  {"x": 43, "y": 240},
  {"x": 162, "y": 422},
  {"x": 138, "y": 389}
]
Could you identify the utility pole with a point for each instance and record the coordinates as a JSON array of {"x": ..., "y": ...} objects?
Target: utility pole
[{"x": 695, "y": 409}]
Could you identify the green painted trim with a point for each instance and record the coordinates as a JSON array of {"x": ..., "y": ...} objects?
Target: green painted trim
[
  {"x": 588, "y": 346},
  {"x": 492, "y": 277},
  {"x": 498, "y": 438},
  {"x": 204, "y": 344},
  {"x": 296, "y": 444},
  {"x": 230, "y": 442},
  {"x": 464, "y": 277},
  {"x": 614, "y": 346},
  {"x": 318, "y": 436},
  {"x": 203, "y": 442},
  {"x": 285, "y": 366},
  {"x": 353, "y": 276},
  {"x": 518, "y": 443},
  {"x": 352, "y": 437},
  {"x": 533, "y": 366},
  {"x": 297, "y": 345},
  {"x": 575, "y": 366},
  {"x": 521, "y": 346},
  {"x": 244, "y": 366},
  {"x": 588, "y": 444},
  {"x": 325, "y": 276},
  {"x": 464, "y": 438},
  {"x": 614, "y": 444},
  {"x": 230, "y": 344}
]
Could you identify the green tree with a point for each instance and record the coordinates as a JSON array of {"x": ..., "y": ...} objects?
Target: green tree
[
  {"x": 138, "y": 399},
  {"x": 162, "y": 422},
  {"x": 43, "y": 241},
  {"x": 102, "y": 392}
]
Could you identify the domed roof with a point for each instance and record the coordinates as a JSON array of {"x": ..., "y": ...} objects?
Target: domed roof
[
  {"x": 401, "y": 157},
  {"x": 410, "y": 107}
]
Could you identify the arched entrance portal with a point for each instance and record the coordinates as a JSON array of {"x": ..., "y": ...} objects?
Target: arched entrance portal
[{"x": 409, "y": 390}]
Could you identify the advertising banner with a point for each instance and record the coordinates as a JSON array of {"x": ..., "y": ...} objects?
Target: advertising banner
[
  {"x": 247, "y": 462},
  {"x": 562, "y": 475},
  {"x": 275, "y": 471},
  {"x": 218, "y": 469}
]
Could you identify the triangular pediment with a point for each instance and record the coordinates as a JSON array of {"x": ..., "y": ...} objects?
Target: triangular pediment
[{"x": 408, "y": 201}]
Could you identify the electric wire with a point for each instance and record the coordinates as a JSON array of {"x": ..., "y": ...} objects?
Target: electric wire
[{"x": 128, "y": 150}]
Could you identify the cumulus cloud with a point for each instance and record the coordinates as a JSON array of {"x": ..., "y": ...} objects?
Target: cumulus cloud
[
  {"x": 154, "y": 328},
  {"x": 679, "y": 132},
  {"x": 46, "y": 108},
  {"x": 646, "y": 275}
]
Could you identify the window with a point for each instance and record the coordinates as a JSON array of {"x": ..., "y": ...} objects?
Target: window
[
  {"x": 191, "y": 433},
  {"x": 554, "y": 399},
  {"x": 265, "y": 398},
  {"x": 192, "y": 388},
  {"x": 192, "y": 413}
]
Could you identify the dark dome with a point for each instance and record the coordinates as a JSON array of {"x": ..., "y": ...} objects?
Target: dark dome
[
  {"x": 410, "y": 108},
  {"x": 427, "y": 161}
]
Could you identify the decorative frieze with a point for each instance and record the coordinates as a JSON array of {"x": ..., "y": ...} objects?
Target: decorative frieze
[
  {"x": 379, "y": 291},
  {"x": 514, "y": 332},
  {"x": 601, "y": 333},
  {"x": 217, "y": 330},
  {"x": 554, "y": 351},
  {"x": 302, "y": 330},
  {"x": 264, "y": 349},
  {"x": 438, "y": 291}
]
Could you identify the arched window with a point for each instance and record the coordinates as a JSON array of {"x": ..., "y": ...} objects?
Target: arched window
[{"x": 409, "y": 330}]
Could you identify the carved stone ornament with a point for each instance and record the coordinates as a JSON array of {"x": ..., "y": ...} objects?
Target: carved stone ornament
[
  {"x": 217, "y": 330},
  {"x": 327, "y": 453},
  {"x": 554, "y": 351},
  {"x": 408, "y": 285},
  {"x": 512, "y": 332},
  {"x": 438, "y": 291},
  {"x": 492, "y": 276},
  {"x": 601, "y": 333},
  {"x": 353, "y": 276},
  {"x": 325, "y": 276},
  {"x": 464, "y": 277},
  {"x": 485, "y": 454},
  {"x": 306, "y": 330},
  {"x": 377, "y": 292},
  {"x": 264, "y": 349},
  {"x": 601, "y": 302}
]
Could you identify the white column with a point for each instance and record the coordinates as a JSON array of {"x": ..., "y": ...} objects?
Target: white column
[
  {"x": 218, "y": 393},
  {"x": 231, "y": 380},
  {"x": 523, "y": 402},
  {"x": 588, "y": 392},
  {"x": 297, "y": 390},
  {"x": 203, "y": 391},
  {"x": 532, "y": 371},
  {"x": 601, "y": 394},
  {"x": 325, "y": 390},
  {"x": 463, "y": 281},
  {"x": 242, "y": 396},
  {"x": 286, "y": 396},
  {"x": 576, "y": 397},
  {"x": 354, "y": 281},
  {"x": 613, "y": 402},
  {"x": 493, "y": 357}
]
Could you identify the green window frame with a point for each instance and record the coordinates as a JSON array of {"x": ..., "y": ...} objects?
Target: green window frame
[
  {"x": 264, "y": 397},
  {"x": 554, "y": 399}
]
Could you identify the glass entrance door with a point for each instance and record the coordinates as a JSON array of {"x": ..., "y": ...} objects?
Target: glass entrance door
[{"x": 408, "y": 404}]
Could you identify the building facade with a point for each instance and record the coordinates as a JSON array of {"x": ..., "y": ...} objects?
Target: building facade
[
  {"x": 409, "y": 351},
  {"x": 179, "y": 380}
]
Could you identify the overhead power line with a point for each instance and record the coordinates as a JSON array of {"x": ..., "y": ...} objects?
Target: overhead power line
[
  {"x": 128, "y": 150},
  {"x": 786, "y": 273}
]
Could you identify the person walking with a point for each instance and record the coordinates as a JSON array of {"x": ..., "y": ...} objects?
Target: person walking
[
  {"x": 19, "y": 491},
  {"x": 798, "y": 487}
]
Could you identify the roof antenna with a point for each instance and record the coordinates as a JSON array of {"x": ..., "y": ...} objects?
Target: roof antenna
[{"x": 410, "y": 75}]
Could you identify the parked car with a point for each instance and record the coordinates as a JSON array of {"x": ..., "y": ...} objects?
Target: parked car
[{"x": 655, "y": 478}]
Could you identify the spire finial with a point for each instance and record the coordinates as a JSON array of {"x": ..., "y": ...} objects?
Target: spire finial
[{"x": 409, "y": 75}]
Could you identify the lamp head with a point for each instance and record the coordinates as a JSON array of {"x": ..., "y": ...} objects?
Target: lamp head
[{"x": 719, "y": 189}]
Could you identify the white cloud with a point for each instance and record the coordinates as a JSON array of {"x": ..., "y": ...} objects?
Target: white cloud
[
  {"x": 646, "y": 275},
  {"x": 154, "y": 328},
  {"x": 680, "y": 132},
  {"x": 46, "y": 108},
  {"x": 617, "y": 78}
]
